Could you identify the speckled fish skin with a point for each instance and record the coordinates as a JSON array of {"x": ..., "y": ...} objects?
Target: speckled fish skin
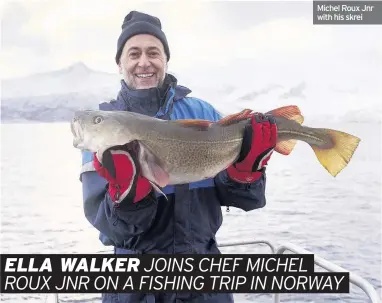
[{"x": 187, "y": 153}]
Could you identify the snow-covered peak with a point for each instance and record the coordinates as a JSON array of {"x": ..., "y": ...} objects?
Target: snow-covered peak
[
  {"x": 78, "y": 68},
  {"x": 75, "y": 78},
  {"x": 55, "y": 95}
]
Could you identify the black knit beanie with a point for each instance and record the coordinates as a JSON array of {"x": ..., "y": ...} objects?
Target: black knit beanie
[{"x": 139, "y": 23}]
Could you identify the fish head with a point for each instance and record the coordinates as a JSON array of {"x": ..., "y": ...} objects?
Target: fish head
[{"x": 96, "y": 130}]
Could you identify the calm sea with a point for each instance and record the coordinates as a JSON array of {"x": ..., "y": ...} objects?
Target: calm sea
[{"x": 337, "y": 218}]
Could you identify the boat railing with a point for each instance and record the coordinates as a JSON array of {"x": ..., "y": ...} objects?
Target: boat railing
[{"x": 364, "y": 285}]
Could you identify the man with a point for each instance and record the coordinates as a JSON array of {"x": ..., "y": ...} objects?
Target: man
[{"x": 122, "y": 204}]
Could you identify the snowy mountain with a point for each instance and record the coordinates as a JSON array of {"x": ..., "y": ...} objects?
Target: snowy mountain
[
  {"x": 50, "y": 108},
  {"x": 75, "y": 78},
  {"x": 365, "y": 115},
  {"x": 56, "y": 95}
]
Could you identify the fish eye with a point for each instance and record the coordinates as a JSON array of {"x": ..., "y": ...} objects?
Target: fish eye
[{"x": 98, "y": 119}]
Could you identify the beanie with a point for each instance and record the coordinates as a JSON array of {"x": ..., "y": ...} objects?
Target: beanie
[{"x": 136, "y": 23}]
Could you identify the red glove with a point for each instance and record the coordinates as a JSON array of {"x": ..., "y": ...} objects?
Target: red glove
[
  {"x": 120, "y": 168},
  {"x": 259, "y": 141}
]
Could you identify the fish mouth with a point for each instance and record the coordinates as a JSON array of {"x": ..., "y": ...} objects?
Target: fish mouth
[{"x": 77, "y": 133}]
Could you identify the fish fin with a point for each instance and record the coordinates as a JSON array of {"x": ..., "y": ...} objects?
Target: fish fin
[
  {"x": 234, "y": 118},
  {"x": 291, "y": 112},
  {"x": 337, "y": 156},
  {"x": 285, "y": 147},
  {"x": 151, "y": 167},
  {"x": 156, "y": 187},
  {"x": 195, "y": 123},
  {"x": 157, "y": 174}
]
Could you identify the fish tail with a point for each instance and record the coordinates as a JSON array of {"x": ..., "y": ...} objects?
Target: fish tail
[
  {"x": 290, "y": 112},
  {"x": 335, "y": 156}
]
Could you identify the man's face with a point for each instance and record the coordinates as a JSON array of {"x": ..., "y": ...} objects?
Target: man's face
[{"x": 143, "y": 62}]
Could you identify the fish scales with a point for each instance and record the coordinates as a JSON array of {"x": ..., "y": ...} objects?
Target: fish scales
[
  {"x": 188, "y": 152},
  {"x": 184, "y": 151}
]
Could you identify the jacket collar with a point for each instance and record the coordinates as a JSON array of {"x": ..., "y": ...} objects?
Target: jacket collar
[{"x": 154, "y": 102}]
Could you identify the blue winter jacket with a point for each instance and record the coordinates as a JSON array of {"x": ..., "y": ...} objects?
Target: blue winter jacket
[{"x": 188, "y": 221}]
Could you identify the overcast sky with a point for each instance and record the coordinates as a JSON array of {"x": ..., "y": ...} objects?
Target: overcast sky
[{"x": 39, "y": 36}]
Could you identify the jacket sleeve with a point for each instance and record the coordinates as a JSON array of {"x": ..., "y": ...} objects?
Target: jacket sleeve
[
  {"x": 244, "y": 196},
  {"x": 116, "y": 224}
]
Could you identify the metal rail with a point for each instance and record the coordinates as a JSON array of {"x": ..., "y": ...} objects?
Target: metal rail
[
  {"x": 354, "y": 278},
  {"x": 319, "y": 261},
  {"x": 238, "y": 243}
]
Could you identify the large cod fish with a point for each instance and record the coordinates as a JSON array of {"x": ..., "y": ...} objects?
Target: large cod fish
[{"x": 184, "y": 151}]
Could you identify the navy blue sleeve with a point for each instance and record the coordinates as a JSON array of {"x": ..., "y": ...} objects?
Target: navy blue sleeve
[
  {"x": 116, "y": 224},
  {"x": 244, "y": 196}
]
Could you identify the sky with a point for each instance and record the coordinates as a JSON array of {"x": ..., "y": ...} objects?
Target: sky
[
  {"x": 214, "y": 45},
  {"x": 38, "y": 36}
]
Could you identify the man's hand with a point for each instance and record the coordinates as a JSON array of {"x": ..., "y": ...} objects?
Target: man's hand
[
  {"x": 121, "y": 169},
  {"x": 259, "y": 141}
]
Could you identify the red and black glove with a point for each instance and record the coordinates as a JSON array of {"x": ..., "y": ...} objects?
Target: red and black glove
[
  {"x": 259, "y": 141},
  {"x": 121, "y": 169}
]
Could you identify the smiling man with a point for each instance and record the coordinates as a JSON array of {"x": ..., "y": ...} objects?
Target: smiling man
[
  {"x": 143, "y": 62},
  {"x": 122, "y": 204}
]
